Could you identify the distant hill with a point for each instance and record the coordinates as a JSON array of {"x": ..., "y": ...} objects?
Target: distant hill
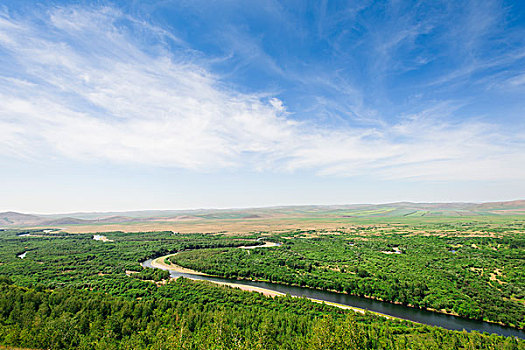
[
  {"x": 400, "y": 209},
  {"x": 13, "y": 218},
  {"x": 510, "y": 205}
]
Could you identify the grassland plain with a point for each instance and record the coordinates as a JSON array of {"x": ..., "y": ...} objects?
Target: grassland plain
[{"x": 271, "y": 219}]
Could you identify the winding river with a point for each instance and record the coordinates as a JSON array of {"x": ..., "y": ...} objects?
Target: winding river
[{"x": 345, "y": 300}]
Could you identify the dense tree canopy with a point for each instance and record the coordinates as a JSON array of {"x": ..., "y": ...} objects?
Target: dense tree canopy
[
  {"x": 476, "y": 272},
  {"x": 70, "y": 291}
]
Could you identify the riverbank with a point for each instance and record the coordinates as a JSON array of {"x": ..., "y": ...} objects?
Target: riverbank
[
  {"x": 341, "y": 300},
  {"x": 442, "y": 311},
  {"x": 161, "y": 264},
  {"x": 266, "y": 244},
  {"x": 411, "y": 306},
  {"x": 263, "y": 291}
]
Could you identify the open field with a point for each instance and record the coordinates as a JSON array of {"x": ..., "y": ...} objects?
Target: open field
[
  {"x": 279, "y": 225},
  {"x": 278, "y": 219}
]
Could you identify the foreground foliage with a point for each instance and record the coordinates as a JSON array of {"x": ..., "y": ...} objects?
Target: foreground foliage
[{"x": 196, "y": 315}]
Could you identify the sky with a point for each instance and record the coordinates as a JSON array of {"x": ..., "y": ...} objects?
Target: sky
[{"x": 130, "y": 105}]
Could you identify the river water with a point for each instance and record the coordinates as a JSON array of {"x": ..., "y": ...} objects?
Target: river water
[{"x": 395, "y": 310}]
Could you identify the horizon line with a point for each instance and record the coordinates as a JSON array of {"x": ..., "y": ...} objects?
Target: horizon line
[{"x": 256, "y": 207}]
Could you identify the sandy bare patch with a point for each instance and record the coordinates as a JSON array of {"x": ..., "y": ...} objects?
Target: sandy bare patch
[
  {"x": 101, "y": 238},
  {"x": 494, "y": 276},
  {"x": 263, "y": 291},
  {"x": 394, "y": 250},
  {"x": 265, "y": 245},
  {"x": 160, "y": 264}
]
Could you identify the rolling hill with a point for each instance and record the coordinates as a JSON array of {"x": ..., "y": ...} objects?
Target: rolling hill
[{"x": 400, "y": 209}]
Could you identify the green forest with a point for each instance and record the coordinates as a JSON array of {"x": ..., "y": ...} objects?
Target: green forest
[
  {"x": 70, "y": 291},
  {"x": 474, "y": 276}
]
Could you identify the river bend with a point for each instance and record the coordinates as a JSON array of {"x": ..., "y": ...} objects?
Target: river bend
[{"x": 376, "y": 306}]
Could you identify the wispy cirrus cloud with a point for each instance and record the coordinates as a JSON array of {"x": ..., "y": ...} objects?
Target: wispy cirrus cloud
[
  {"x": 94, "y": 93},
  {"x": 93, "y": 84}
]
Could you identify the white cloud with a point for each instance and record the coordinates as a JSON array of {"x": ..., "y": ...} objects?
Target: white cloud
[
  {"x": 518, "y": 80},
  {"x": 87, "y": 87}
]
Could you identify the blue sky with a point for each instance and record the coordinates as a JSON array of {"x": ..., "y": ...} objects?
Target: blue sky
[{"x": 197, "y": 104}]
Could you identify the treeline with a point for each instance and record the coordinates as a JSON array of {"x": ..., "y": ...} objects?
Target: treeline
[
  {"x": 149, "y": 274},
  {"x": 197, "y": 315},
  {"x": 475, "y": 277},
  {"x": 60, "y": 260}
]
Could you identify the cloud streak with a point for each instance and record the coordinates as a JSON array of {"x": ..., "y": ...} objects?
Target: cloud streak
[{"x": 88, "y": 84}]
